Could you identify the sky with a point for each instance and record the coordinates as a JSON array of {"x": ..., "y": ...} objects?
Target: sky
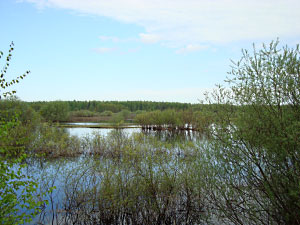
[{"x": 152, "y": 50}]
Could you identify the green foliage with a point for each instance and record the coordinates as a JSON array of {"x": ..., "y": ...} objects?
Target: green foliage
[
  {"x": 117, "y": 119},
  {"x": 18, "y": 192},
  {"x": 202, "y": 120},
  {"x": 139, "y": 112},
  {"x": 28, "y": 118},
  {"x": 171, "y": 119},
  {"x": 125, "y": 113},
  {"x": 54, "y": 142},
  {"x": 4, "y": 84},
  {"x": 83, "y": 113},
  {"x": 117, "y": 106},
  {"x": 56, "y": 111},
  {"x": 11, "y": 106},
  {"x": 135, "y": 179},
  {"x": 255, "y": 147},
  {"x": 148, "y": 185},
  {"x": 128, "y": 109},
  {"x": 106, "y": 113}
]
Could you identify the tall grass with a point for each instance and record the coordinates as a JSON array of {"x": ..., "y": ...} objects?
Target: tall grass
[{"x": 134, "y": 179}]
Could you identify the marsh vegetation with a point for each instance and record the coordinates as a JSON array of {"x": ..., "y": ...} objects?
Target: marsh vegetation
[
  {"x": 234, "y": 160},
  {"x": 125, "y": 179}
]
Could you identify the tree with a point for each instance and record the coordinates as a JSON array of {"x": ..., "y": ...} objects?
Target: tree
[
  {"x": 125, "y": 113},
  {"x": 254, "y": 155},
  {"x": 57, "y": 111},
  {"x": 17, "y": 191}
]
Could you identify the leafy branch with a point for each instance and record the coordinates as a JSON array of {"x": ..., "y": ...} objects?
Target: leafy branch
[{"x": 3, "y": 81}]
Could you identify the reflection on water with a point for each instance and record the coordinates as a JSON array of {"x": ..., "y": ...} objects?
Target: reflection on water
[
  {"x": 83, "y": 174},
  {"x": 175, "y": 135},
  {"x": 98, "y": 124},
  {"x": 55, "y": 173},
  {"x": 164, "y": 135},
  {"x": 85, "y": 123},
  {"x": 82, "y": 131}
]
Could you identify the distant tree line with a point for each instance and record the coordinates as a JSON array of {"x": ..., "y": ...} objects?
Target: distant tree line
[
  {"x": 166, "y": 115},
  {"x": 117, "y": 106},
  {"x": 60, "y": 111}
]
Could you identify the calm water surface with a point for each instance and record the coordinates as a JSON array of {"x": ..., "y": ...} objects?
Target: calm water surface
[
  {"x": 60, "y": 172},
  {"x": 81, "y": 131}
]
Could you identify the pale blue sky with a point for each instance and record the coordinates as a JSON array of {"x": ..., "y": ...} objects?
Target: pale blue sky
[{"x": 159, "y": 50}]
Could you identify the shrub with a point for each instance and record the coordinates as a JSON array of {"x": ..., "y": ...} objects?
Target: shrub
[
  {"x": 83, "y": 113},
  {"x": 106, "y": 113},
  {"x": 56, "y": 111},
  {"x": 17, "y": 191},
  {"x": 254, "y": 153}
]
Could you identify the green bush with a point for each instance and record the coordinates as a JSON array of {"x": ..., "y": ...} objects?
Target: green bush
[
  {"x": 254, "y": 151},
  {"x": 106, "y": 113},
  {"x": 56, "y": 111},
  {"x": 117, "y": 119},
  {"x": 18, "y": 192},
  {"x": 54, "y": 142},
  {"x": 83, "y": 113},
  {"x": 11, "y": 109}
]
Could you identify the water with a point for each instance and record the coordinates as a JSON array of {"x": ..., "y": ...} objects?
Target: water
[
  {"x": 56, "y": 173},
  {"x": 82, "y": 131},
  {"x": 79, "y": 172},
  {"x": 86, "y": 123}
]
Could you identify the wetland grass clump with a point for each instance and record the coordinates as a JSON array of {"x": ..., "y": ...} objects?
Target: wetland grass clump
[
  {"x": 175, "y": 120},
  {"x": 134, "y": 179},
  {"x": 54, "y": 142},
  {"x": 152, "y": 184}
]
